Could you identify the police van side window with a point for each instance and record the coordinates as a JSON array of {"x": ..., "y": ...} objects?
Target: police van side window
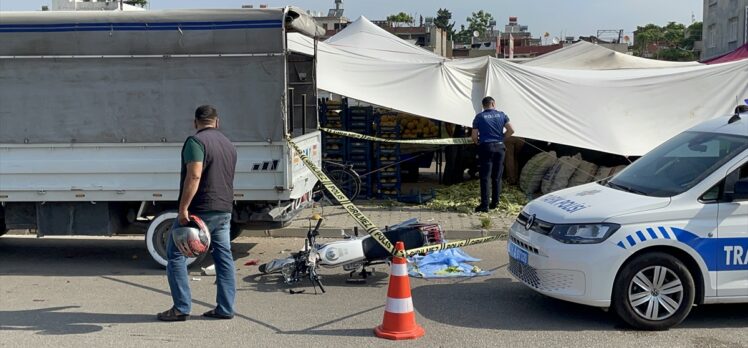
[{"x": 716, "y": 192}]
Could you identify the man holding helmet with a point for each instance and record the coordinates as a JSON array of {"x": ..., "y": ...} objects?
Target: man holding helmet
[{"x": 206, "y": 191}]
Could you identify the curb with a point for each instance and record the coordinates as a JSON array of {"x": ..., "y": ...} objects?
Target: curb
[{"x": 332, "y": 232}]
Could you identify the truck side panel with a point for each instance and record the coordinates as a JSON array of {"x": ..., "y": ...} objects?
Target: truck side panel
[
  {"x": 137, "y": 100},
  {"x": 128, "y": 172}
]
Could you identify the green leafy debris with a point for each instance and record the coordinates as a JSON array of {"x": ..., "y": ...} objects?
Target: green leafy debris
[{"x": 464, "y": 197}]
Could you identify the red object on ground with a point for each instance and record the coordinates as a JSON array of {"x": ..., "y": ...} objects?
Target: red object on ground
[
  {"x": 738, "y": 54},
  {"x": 252, "y": 262},
  {"x": 399, "y": 321}
]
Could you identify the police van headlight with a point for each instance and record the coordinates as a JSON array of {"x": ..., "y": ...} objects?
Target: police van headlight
[{"x": 583, "y": 233}]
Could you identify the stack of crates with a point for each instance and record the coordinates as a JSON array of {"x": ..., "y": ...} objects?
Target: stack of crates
[
  {"x": 359, "y": 152},
  {"x": 333, "y": 145},
  {"x": 387, "y": 157}
]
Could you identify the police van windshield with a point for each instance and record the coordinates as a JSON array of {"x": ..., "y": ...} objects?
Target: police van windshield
[{"x": 679, "y": 164}]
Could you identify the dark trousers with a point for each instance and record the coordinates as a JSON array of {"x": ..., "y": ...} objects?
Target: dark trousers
[{"x": 491, "y": 158}]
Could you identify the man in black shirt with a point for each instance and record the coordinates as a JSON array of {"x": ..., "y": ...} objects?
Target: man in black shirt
[{"x": 206, "y": 190}]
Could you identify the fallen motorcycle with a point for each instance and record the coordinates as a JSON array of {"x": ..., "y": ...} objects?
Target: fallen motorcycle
[{"x": 354, "y": 253}]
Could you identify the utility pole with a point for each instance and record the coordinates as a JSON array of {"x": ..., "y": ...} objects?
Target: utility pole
[{"x": 120, "y": 5}]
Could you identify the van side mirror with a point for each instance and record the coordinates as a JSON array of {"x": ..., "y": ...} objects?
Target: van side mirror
[{"x": 740, "y": 191}]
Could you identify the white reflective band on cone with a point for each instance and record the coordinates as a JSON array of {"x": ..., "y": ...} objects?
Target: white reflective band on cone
[
  {"x": 399, "y": 305},
  {"x": 399, "y": 269}
]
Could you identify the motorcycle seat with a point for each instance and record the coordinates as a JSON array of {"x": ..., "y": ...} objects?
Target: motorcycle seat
[{"x": 411, "y": 236}]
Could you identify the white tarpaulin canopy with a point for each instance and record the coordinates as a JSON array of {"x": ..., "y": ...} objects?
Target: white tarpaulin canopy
[
  {"x": 587, "y": 56},
  {"x": 622, "y": 111}
]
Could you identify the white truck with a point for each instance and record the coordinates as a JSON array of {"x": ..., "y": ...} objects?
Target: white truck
[{"x": 95, "y": 106}]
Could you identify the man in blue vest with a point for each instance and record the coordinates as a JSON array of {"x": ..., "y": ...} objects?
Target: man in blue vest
[
  {"x": 488, "y": 134},
  {"x": 206, "y": 190}
]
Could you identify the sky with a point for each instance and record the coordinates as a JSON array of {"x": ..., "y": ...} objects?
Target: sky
[{"x": 557, "y": 17}]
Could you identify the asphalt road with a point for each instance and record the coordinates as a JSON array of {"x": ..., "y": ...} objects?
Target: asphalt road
[{"x": 104, "y": 292}]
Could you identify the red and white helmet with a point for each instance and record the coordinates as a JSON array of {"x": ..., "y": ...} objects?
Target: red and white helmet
[{"x": 192, "y": 239}]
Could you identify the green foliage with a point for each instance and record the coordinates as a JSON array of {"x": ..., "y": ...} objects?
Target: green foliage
[
  {"x": 465, "y": 197},
  {"x": 674, "y": 41},
  {"x": 463, "y": 36},
  {"x": 442, "y": 21},
  {"x": 479, "y": 22},
  {"x": 140, "y": 3},
  {"x": 485, "y": 222},
  {"x": 400, "y": 18}
]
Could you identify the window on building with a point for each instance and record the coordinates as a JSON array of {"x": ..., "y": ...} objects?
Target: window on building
[
  {"x": 732, "y": 30},
  {"x": 713, "y": 2},
  {"x": 712, "y": 36}
]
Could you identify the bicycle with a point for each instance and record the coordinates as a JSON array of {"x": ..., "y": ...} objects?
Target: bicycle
[{"x": 343, "y": 176}]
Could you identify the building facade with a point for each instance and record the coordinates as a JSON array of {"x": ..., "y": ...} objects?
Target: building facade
[
  {"x": 725, "y": 27},
  {"x": 515, "y": 42},
  {"x": 90, "y": 5}
]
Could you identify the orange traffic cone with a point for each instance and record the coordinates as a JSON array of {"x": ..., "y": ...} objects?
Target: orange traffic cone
[{"x": 399, "y": 319}]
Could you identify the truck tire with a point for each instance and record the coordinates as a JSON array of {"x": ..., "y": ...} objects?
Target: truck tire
[
  {"x": 236, "y": 231},
  {"x": 653, "y": 291},
  {"x": 157, "y": 235}
]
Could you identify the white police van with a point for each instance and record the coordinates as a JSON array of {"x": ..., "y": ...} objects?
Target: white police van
[{"x": 668, "y": 232}]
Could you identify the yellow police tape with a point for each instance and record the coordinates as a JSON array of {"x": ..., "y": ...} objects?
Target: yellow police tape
[
  {"x": 367, "y": 224},
  {"x": 444, "y": 141},
  {"x": 450, "y": 245},
  {"x": 357, "y": 215}
]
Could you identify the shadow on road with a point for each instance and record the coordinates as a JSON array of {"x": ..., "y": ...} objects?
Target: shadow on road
[
  {"x": 508, "y": 305},
  {"x": 274, "y": 282},
  {"x": 316, "y": 331},
  {"x": 58, "y": 321},
  {"x": 505, "y": 305},
  {"x": 70, "y": 257}
]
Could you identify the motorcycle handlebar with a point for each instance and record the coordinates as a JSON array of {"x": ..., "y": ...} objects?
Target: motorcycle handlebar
[{"x": 319, "y": 222}]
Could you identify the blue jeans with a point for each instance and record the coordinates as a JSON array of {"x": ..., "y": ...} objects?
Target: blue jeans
[
  {"x": 491, "y": 158},
  {"x": 219, "y": 224}
]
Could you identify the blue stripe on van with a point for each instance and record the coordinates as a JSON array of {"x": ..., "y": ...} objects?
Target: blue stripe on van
[
  {"x": 631, "y": 240},
  {"x": 652, "y": 233},
  {"x": 664, "y": 232}
]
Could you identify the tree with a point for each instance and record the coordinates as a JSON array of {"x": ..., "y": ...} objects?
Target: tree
[
  {"x": 463, "y": 36},
  {"x": 400, "y": 18},
  {"x": 672, "y": 42},
  {"x": 442, "y": 21},
  {"x": 140, "y": 3},
  {"x": 479, "y": 22}
]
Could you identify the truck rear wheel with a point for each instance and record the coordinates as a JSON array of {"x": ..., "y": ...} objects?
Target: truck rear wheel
[
  {"x": 157, "y": 236},
  {"x": 236, "y": 230},
  {"x": 654, "y": 291}
]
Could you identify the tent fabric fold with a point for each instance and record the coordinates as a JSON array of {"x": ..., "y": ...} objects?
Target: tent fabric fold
[
  {"x": 738, "y": 54},
  {"x": 588, "y": 56},
  {"x": 627, "y": 107}
]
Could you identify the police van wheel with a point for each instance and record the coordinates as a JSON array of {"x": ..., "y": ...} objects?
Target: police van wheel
[
  {"x": 654, "y": 291},
  {"x": 157, "y": 236}
]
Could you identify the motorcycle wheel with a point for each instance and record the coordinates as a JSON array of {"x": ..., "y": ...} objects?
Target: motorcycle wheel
[{"x": 263, "y": 268}]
